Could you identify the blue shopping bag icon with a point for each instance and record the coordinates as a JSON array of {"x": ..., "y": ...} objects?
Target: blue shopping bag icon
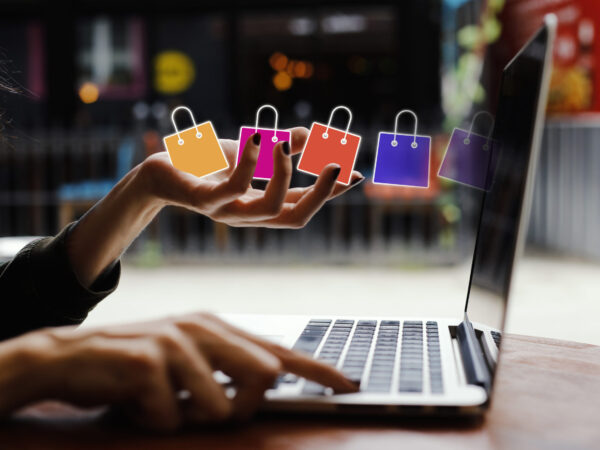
[
  {"x": 470, "y": 158},
  {"x": 402, "y": 159}
]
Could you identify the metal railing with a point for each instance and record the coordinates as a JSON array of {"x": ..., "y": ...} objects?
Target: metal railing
[
  {"x": 350, "y": 229},
  {"x": 566, "y": 204}
]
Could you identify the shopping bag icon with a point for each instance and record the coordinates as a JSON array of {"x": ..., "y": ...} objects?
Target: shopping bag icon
[
  {"x": 326, "y": 145},
  {"x": 402, "y": 159},
  {"x": 195, "y": 150},
  {"x": 269, "y": 137},
  {"x": 470, "y": 158}
]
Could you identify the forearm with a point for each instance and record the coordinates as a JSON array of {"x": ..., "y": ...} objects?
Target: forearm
[{"x": 106, "y": 230}]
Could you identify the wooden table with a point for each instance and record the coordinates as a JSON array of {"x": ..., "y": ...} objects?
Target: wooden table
[{"x": 547, "y": 396}]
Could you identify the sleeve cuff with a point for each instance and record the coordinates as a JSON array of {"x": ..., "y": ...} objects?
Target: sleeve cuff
[{"x": 56, "y": 284}]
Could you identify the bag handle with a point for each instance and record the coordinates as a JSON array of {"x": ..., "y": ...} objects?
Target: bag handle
[
  {"x": 467, "y": 140},
  {"x": 274, "y": 138},
  {"x": 406, "y": 111},
  {"x": 326, "y": 134},
  {"x": 185, "y": 108}
]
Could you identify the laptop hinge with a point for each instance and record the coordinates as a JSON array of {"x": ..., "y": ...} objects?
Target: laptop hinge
[{"x": 476, "y": 370}]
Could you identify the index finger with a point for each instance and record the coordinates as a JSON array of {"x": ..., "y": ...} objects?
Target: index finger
[
  {"x": 295, "y": 194},
  {"x": 311, "y": 369},
  {"x": 239, "y": 181}
]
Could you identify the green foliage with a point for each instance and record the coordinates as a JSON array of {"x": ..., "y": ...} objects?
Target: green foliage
[
  {"x": 479, "y": 94},
  {"x": 468, "y": 36},
  {"x": 496, "y": 5},
  {"x": 491, "y": 29}
]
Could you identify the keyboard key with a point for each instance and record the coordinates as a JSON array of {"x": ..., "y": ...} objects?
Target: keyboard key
[
  {"x": 411, "y": 357},
  {"x": 384, "y": 356},
  {"x": 289, "y": 378},
  {"x": 496, "y": 336},
  {"x": 308, "y": 342},
  {"x": 434, "y": 359},
  {"x": 358, "y": 350}
]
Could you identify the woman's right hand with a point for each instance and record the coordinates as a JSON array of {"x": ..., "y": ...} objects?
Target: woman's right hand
[{"x": 144, "y": 368}]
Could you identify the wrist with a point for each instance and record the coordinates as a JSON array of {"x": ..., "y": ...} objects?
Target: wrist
[
  {"x": 106, "y": 230},
  {"x": 145, "y": 185},
  {"x": 27, "y": 373}
]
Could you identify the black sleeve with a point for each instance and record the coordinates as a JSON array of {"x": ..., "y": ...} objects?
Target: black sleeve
[{"x": 38, "y": 288}]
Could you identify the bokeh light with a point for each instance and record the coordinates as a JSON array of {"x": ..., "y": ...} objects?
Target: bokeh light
[
  {"x": 287, "y": 69},
  {"x": 278, "y": 61},
  {"x": 290, "y": 68},
  {"x": 89, "y": 92},
  {"x": 300, "y": 69},
  {"x": 282, "y": 81},
  {"x": 174, "y": 72}
]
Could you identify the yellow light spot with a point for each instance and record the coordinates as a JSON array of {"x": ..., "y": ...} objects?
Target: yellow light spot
[
  {"x": 282, "y": 81},
  {"x": 88, "y": 92},
  {"x": 278, "y": 61},
  {"x": 174, "y": 72}
]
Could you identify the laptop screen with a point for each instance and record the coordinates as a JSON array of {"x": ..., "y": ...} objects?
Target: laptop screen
[{"x": 500, "y": 218}]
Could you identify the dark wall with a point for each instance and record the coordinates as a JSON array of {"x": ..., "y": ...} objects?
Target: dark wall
[{"x": 232, "y": 77}]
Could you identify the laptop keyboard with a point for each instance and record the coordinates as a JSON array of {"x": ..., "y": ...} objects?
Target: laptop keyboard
[{"x": 414, "y": 346}]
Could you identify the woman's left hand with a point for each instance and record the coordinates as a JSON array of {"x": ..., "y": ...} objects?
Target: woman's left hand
[{"x": 106, "y": 230}]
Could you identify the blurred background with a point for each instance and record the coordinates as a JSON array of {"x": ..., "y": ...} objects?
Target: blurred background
[{"x": 98, "y": 81}]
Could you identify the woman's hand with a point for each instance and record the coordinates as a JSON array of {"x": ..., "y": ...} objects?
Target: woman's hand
[
  {"x": 227, "y": 195},
  {"x": 159, "y": 373},
  {"x": 107, "y": 229}
]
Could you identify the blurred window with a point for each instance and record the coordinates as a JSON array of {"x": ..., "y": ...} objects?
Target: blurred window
[{"x": 110, "y": 55}]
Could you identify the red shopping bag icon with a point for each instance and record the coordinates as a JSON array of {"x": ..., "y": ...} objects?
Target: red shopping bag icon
[{"x": 326, "y": 145}]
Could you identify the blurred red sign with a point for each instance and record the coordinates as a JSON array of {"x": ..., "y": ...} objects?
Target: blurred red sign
[{"x": 575, "y": 85}]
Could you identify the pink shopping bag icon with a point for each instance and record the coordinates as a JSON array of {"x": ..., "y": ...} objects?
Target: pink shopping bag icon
[{"x": 269, "y": 137}]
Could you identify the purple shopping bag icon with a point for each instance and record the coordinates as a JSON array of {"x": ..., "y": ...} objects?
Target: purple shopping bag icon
[
  {"x": 470, "y": 158},
  {"x": 402, "y": 159},
  {"x": 269, "y": 137}
]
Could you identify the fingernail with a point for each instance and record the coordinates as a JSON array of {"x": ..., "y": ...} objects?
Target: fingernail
[
  {"x": 285, "y": 147},
  {"x": 357, "y": 181},
  {"x": 256, "y": 139},
  {"x": 336, "y": 172}
]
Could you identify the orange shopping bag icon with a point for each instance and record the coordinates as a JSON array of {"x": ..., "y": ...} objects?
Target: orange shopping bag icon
[
  {"x": 326, "y": 145},
  {"x": 195, "y": 150}
]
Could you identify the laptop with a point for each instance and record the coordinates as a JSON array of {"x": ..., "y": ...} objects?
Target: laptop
[{"x": 433, "y": 365}]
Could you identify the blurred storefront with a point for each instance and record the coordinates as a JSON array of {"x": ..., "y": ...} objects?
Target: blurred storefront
[
  {"x": 98, "y": 80},
  {"x": 565, "y": 215}
]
